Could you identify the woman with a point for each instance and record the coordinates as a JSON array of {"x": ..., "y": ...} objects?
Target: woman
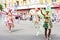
[
  {"x": 9, "y": 21},
  {"x": 47, "y": 25},
  {"x": 36, "y": 21}
]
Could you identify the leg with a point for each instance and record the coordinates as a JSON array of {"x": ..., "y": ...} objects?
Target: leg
[
  {"x": 45, "y": 32},
  {"x": 49, "y": 33},
  {"x": 9, "y": 27},
  {"x": 12, "y": 26},
  {"x": 18, "y": 20}
]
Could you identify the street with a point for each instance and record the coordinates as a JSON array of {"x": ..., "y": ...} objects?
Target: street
[{"x": 25, "y": 30}]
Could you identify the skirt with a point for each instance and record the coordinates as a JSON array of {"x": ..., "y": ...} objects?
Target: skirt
[
  {"x": 10, "y": 23},
  {"x": 47, "y": 24}
]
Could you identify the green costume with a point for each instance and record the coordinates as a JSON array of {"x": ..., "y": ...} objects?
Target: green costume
[{"x": 47, "y": 24}]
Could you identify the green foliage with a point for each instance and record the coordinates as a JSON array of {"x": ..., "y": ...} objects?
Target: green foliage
[{"x": 0, "y": 7}]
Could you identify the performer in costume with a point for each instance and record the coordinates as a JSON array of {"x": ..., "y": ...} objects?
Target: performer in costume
[
  {"x": 47, "y": 24},
  {"x": 36, "y": 21},
  {"x": 9, "y": 21}
]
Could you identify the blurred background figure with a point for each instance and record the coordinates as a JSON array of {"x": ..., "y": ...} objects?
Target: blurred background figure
[
  {"x": 0, "y": 14},
  {"x": 9, "y": 21}
]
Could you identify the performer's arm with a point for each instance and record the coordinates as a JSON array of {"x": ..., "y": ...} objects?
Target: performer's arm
[{"x": 42, "y": 13}]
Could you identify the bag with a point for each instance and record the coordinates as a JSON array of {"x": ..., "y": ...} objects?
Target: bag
[{"x": 16, "y": 17}]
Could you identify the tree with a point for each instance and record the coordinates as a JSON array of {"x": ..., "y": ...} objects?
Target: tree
[{"x": 0, "y": 7}]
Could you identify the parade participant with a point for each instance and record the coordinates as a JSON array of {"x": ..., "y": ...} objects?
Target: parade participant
[
  {"x": 47, "y": 24},
  {"x": 40, "y": 22},
  {"x": 3, "y": 17},
  {"x": 36, "y": 21},
  {"x": 17, "y": 17},
  {"x": 9, "y": 21}
]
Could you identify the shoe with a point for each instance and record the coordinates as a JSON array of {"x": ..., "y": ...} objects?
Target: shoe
[{"x": 9, "y": 31}]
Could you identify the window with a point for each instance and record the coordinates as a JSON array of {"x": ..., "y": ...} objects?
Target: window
[
  {"x": 41, "y": 1},
  {"x": 53, "y": 0},
  {"x": 24, "y": 0},
  {"x": 17, "y": 3},
  {"x": 48, "y": 1},
  {"x": 5, "y": 4},
  {"x": 58, "y": 1}
]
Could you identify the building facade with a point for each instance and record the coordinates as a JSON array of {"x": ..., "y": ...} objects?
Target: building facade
[{"x": 12, "y": 3}]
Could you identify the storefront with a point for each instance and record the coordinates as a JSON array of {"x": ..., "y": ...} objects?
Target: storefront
[
  {"x": 58, "y": 13},
  {"x": 56, "y": 7}
]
